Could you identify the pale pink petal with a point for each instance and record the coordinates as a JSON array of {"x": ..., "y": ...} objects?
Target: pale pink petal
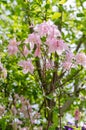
[
  {"x": 52, "y": 44},
  {"x": 47, "y": 29},
  {"x": 37, "y": 52},
  {"x": 27, "y": 66},
  {"x": 61, "y": 46},
  {"x": 21, "y": 63},
  {"x": 34, "y": 39},
  {"x": 81, "y": 59},
  {"x": 67, "y": 65},
  {"x": 25, "y": 51},
  {"x": 13, "y": 47},
  {"x": 25, "y": 70},
  {"x": 69, "y": 56}
]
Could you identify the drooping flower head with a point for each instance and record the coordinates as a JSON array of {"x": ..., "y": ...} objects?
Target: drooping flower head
[
  {"x": 25, "y": 51},
  {"x": 69, "y": 56},
  {"x": 34, "y": 39},
  {"x": 13, "y": 47},
  {"x": 67, "y": 65},
  {"x": 47, "y": 29},
  {"x": 27, "y": 66},
  {"x": 81, "y": 59}
]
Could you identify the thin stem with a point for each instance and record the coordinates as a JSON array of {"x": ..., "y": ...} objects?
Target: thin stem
[{"x": 59, "y": 104}]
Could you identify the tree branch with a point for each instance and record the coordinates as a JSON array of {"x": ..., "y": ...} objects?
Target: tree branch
[{"x": 80, "y": 43}]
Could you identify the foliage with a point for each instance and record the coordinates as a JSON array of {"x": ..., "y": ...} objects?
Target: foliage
[{"x": 52, "y": 92}]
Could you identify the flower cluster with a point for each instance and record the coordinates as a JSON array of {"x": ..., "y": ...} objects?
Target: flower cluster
[
  {"x": 22, "y": 109},
  {"x": 27, "y": 66},
  {"x": 52, "y": 42},
  {"x": 13, "y": 47},
  {"x": 44, "y": 41}
]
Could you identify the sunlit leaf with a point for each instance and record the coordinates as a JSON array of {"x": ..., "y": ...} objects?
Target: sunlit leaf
[
  {"x": 56, "y": 15},
  {"x": 62, "y": 2}
]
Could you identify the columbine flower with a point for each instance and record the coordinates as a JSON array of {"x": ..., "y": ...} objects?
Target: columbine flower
[
  {"x": 69, "y": 56},
  {"x": 38, "y": 51},
  {"x": 47, "y": 29},
  {"x": 52, "y": 44},
  {"x": 81, "y": 59},
  {"x": 67, "y": 65},
  {"x": 61, "y": 46},
  {"x": 42, "y": 29},
  {"x": 13, "y": 47},
  {"x": 56, "y": 45},
  {"x": 34, "y": 39},
  {"x": 25, "y": 51},
  {"x": 27, "y": 66}
]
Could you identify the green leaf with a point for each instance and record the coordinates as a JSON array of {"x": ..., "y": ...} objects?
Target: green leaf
[
  {"x": 62, "y": 2},
  {"x": 56, "y": 15},
  {"x": 47, "y": 6},
  {"x": 80, "y": 15},
  {"x": 52, "y": 127}
]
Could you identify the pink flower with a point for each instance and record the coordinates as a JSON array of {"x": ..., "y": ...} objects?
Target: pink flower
[
  {"x": 25, "y": 51},
  {"x": 52, "y": 44},
  {"x": 47, "y": 29},
  {"x": 42, "y": 29},
  {"x": 67, "y": 65},
  {"x": 53, "y": 30},
  {"x": 81, "y": 59},
  {"x": 34, "y": 39},
  {"x": 77, "y": 114},
  {"x": 38, "y": 52},
  {"x": 69, "y": 56},
  {"x": 13, "y": 47},
  {"x": 27, "y": 66},
  {"x": 56, "y": 45},
  {"x": 61, "y": 46}
]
